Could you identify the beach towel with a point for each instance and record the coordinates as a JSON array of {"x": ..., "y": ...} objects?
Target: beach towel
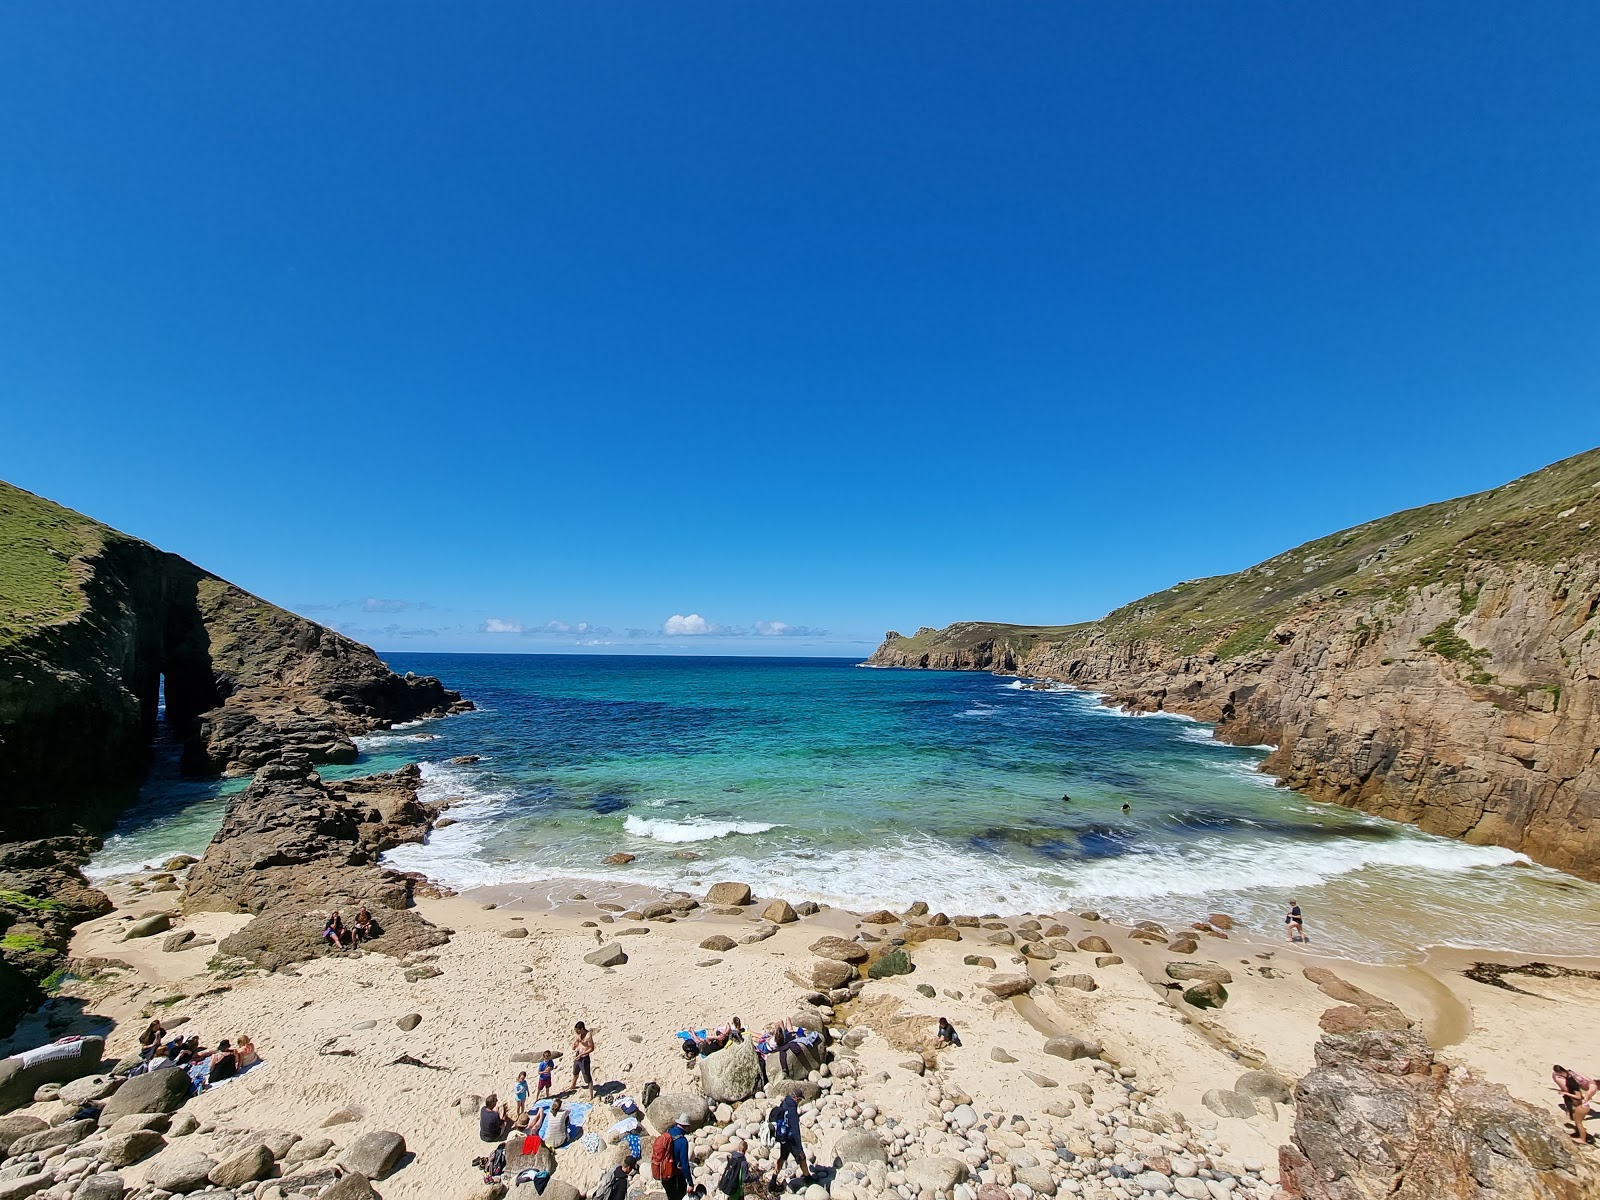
[
  {"x": 59, "y": 1051},
  {"x": 634, "y": 1143}
]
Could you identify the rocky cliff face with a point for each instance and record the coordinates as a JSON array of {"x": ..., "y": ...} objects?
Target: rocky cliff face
[
  {"x": 95, "y": 628},
  {"x": 1445, "y": 671},
  {"x": 292, "y": 848},
  {"x": 1380, "y": 1117}
]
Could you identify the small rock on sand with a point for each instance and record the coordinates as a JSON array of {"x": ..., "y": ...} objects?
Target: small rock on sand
[
  {"x": 780, "y": 912},
  {"x": 718, "y": 941},
  {"x": 609, "y": 955},
  {"x": 729, "y": 893},
  {"x": 1094, "y": 944},
  {"x": 410, "y": 1021}
]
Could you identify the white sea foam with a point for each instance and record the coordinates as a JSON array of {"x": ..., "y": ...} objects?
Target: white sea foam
[
  {"x": 1196, "y": 869},
  {"x": 690, "y": 829}
]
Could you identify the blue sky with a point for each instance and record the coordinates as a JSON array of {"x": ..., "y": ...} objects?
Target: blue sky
[{"x": 759, "y": 328}]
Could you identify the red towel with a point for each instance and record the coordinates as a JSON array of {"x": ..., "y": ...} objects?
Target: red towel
[{"x": 531, "y": 1144}]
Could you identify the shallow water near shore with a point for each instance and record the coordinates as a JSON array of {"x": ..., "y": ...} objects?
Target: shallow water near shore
[{"x": 816, "y": 779}]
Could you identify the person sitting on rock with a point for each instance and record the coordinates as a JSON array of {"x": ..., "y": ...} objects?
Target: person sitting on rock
[
  {"x": 493, "y": 1119},
  {"x": 946, "y": 1034},
  {"x": 1577, "y": 1097},
  {"x": 334, "y": 932},
  {"x": 365, "y": 930},
  {"x": 150, "y": 1039}
]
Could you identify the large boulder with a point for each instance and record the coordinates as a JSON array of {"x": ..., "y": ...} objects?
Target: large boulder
[
  {"x": 68, "y": 1133},
  {"x": 1069, "y": 1047},
  {"x": 18, "y": 1125},
  {"x": 1209, "y": 972},
  {"x": 731, "y": 1074},
  {"x": 801, "y": 1089},
  {"x": 828, "y": 973},
  {"x": 729, "y": 893},
  {"x": 1267, "y": 1085},
  {"x": 104, "y": 1186},
  {"x": 1378, "y": 1117},
  {"x": 22, "y": 1074},
  {"x": 669, "y": 1106},
  {"x": 180, "y": 1172},
  {"x": 119, "y": 1150},
  {"x": 937, "y": 1175},
  {"x": 895, "y": 962},
  {"x": 244, "y": 1166},
  {"x": 373, "y": 1154},
  {"x": 840, "y": 949},
  {"x": 779, "y": 912},
  {"x": 932, "y": 933},
  {"x": 161, "y": 1091},
  {"x": 609, "y": 955},
  {"x": 353, "y": 1186},
  {"x": 1006, "y": 986},
  {"x": 1226, "y": 1102},
  {"x": 1208, "y": 993},
  {"x": 148, "y": 926},
  {"x": 861, "y": 1147}
]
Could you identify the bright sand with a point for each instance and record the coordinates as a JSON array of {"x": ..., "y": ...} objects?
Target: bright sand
[{"x": 499, "y": 996}]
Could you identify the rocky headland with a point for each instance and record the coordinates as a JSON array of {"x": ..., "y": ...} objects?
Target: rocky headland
[
  {"x": 1439, "y": 666},
  {"x": 100, "y": 634}
]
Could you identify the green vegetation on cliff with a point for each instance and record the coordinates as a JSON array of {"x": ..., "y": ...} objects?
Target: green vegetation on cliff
[
  {"x": 1542, "y": 518},
  {"x": 38, "y": 542}
]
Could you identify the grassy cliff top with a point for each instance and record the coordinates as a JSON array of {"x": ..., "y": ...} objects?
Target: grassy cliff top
[
  {"x": 1546, "y": 517},
  {"x": 38, "y": 542},
  {"x": 965, "y": 635}
]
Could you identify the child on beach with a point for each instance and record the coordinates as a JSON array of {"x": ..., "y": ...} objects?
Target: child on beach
[
  {"x": 521, "y": 1092},
  {"x": 547, "y": 1067}
]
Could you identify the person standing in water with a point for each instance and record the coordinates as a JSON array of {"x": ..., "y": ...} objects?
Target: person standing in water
[{"x": 1295, "y": 924}]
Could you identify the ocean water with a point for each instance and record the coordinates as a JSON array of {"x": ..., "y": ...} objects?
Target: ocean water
[{"x": 818, "y": 779}]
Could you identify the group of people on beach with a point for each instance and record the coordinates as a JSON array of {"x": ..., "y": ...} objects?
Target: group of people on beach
[
  {"x": 205, "y": 1067},
  {"x": 347, "y": 937},
  {"x": 548, "y": 1120}
]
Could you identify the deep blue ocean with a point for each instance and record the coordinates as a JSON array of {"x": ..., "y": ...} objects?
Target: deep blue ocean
[{"x": 816, "y": 778}]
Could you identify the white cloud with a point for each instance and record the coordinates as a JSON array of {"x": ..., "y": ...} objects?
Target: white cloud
[
  {"x": 496, "y": 625},
  {"x": 374, "y": 605},
  {"x": 693, "y": 625},
  {"x": 784, "y": 629}
]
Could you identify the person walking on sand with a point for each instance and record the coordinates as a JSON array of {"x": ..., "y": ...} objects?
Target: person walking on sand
[
  {"x": 582, "y": 1051},
  {"x": 1577, "y": 1097},
  {"x": 1294, "y": 924}
]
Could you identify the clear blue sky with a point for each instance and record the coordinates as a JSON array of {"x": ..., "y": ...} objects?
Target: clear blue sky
[{"x": 445, "y": 321}]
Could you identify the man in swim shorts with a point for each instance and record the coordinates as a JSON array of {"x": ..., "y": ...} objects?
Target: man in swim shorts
[{"x": 582, "y": 1048}]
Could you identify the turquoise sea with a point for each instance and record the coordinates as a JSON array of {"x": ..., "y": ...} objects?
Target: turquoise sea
[{"x": 816, "y": 778}]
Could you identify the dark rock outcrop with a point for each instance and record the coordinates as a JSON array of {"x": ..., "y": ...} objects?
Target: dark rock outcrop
[
  {"x": 1380, "y": 1118},
  {"x": 292, "y": 848},
  {"x": 97, "y": 629}
]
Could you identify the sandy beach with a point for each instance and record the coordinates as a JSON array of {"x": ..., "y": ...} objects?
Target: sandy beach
[{"x": 513, "y": 979}]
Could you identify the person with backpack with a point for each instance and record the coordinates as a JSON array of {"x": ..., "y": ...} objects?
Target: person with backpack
[
  {"x": 784, "y": 1123},
  {"x": 613, "y": 1185},
  {"x": 670, "y": 1162},
  {"x": 736, "y": 1174}
]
